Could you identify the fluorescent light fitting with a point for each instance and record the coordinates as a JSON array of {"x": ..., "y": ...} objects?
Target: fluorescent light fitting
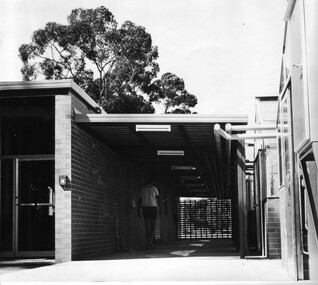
[
  {"x": 171, "y": 152},
  {"x": 182, "y": 167},
  {"x": 190, "y": 177},
  {"x": 153, "y": 128},
  {"x": 196, "y": 185}
]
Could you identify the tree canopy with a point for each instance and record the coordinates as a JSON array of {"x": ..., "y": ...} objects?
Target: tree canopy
[
  {"x": 170, "y": 92},
  {"x": 122, "y": 58}
]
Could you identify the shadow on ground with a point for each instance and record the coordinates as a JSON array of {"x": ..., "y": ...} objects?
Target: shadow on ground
[{"x": 9, "y": 265}]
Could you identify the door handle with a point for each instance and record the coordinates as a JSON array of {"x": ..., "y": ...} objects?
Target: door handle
[{"x": 51, "y": 201}]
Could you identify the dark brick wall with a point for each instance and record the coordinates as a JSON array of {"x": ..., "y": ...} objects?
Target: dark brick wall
[
  {"x": 104, "y": 187},
  {"x": 273, "y": 228}
]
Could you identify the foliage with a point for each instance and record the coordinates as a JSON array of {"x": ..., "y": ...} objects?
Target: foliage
[
  {"x": 170, "y": 92},
  {"x": 123, "y": 58}
]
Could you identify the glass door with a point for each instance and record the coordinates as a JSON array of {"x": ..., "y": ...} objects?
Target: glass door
[
  {"x": 34, "y": 218},
  {"x": 6, "y": 207}
]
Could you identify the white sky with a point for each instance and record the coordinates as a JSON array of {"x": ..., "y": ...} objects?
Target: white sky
[{"x": 227, "y": 51}]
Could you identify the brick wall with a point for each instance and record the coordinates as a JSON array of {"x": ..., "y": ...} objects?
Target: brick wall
[
  {"x": 287, "y": 215},
  {"x": 96, "y": 212},
  {"x": 273, "y": 228},
  {"x": 63, "y": 242},
  {"x": 104, "y": 195}
]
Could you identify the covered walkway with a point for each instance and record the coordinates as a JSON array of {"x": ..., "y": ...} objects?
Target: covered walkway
[
  {"x": 95, "y": 165},
  {"x": 211, "y": 262}
]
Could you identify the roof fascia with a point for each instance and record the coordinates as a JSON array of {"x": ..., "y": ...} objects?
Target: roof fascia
[{"x": 160, "y": 118}]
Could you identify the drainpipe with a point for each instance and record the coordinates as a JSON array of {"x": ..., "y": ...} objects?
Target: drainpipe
[{"x": 228, "y": 136}]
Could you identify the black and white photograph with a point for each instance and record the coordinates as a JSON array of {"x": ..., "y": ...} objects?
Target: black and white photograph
[{"x": 159, "y": 141}]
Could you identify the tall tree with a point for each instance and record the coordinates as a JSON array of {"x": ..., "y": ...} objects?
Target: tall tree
[
  {"x": 169, "y": 91},
  {"x": 124, "y": 59}
]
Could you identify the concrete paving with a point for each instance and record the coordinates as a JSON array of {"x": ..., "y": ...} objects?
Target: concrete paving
[
  {"x": 182, "y": 269},
  {"x": 180, "y": 263}
]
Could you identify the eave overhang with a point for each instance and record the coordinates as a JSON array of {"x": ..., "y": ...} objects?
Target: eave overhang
[{"x": 191, "y": 134}]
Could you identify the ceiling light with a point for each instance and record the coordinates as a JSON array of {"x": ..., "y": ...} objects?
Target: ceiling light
[
  {"x": 196, "y": 185},
  {"x": 153, "y": 128},
  {"x": 182, "y": 167},
  {"x": 190, "y": 177},
  {"x": 171, "y": 152}
]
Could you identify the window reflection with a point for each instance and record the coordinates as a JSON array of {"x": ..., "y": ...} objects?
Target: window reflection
[{"x": 27, "y": 135}]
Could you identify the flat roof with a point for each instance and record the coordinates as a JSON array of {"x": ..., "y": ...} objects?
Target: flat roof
[{"x": 9, "y": 87}]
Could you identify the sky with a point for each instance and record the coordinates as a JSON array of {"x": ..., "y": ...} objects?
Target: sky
[{"x": 226, "y": 51}]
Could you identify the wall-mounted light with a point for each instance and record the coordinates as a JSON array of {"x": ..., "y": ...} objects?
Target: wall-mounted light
[
  {"x": 62, "y": 180},
  {"x": 153, "y": 128},
  {"x": 171, "y": 152}
]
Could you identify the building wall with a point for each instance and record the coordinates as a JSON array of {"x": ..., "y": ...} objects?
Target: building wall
[
  {"x": 309, "y": 226},
  {"x": 273, "y": 228},
  {"x": 272, "y": 203},
  {"x": 266, "y": 181},
  {"x": 98, "y": 203},
  {"x": 63, "y": 219},
  {"x": 288, "y": 230},
  {"x": 299, "y": 70},
  {"x": 105, "y": 190},
  {"x": 168, "y": 212},
  {"x": 312, "y": 248},
  {"x": 96, "y": 211}
]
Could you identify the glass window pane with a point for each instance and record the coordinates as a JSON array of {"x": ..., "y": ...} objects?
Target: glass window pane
[
  {"x": 27, "y": 135},
  {"x": 36, "y": 224},
  {"x": 27, "y": 125}
]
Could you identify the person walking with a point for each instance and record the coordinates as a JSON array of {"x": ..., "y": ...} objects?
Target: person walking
[{"x": 149, "y": 206}]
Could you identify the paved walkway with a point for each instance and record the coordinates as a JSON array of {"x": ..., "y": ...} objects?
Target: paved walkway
[
  {"x": 195, "y": 269},
  {"x": 182, "y": 263}
]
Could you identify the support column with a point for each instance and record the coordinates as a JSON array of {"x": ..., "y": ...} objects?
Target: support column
[
  {"x": 63, "y": 217},
  {"x": 242, "y": 207}
]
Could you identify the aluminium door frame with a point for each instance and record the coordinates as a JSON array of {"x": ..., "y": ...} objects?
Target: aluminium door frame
[{"x": 15, "y": 161}]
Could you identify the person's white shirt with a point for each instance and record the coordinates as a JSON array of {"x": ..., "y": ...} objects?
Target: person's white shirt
[{"x": 148, "y": 195}]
